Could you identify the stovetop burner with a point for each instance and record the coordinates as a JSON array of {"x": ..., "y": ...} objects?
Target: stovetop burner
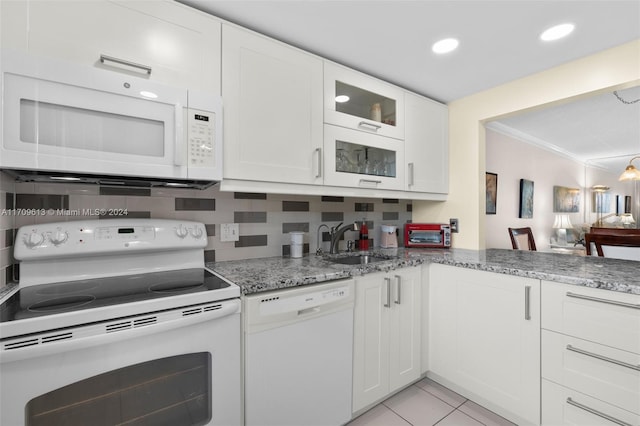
[{"x": 64, "y": 297}]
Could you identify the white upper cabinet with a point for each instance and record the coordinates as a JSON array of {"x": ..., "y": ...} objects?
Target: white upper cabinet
[
  {"x": 163, "y": 41},
  {"x": 273, "y": 110},
  {"x": 361, "y": 102},
  {"x": 362, "y": 160},
  {"x": 426, "y": 145}
]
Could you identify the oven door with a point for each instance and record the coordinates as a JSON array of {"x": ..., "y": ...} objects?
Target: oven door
[
  {"x": 425, "y": 238},
  {"x": 177, "y": 367}
]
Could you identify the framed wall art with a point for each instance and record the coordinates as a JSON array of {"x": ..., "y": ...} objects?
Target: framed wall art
[
  {"x": 526, "y": 199},
  {"x": 566, "y": 200},
  {"x": 492, "y": 192}
]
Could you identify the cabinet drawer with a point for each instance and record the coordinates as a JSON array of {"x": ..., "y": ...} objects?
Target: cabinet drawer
[
  {"x": 370, "y": 106},
  {"x": 179, "y": 44},
  {"x": 361, "y": 160},
  {"x": 562, "y": 406},
  {"x": 605, "y": 373},
  {"x": 607, "y": 317}
]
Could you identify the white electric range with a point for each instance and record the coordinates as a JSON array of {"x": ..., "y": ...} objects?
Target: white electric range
[{"x": 117, "y": 321}]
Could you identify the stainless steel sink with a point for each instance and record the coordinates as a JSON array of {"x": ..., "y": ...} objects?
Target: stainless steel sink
[{"x": 362, "y": 259}]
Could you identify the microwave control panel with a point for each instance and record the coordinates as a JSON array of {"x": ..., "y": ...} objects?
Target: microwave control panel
[{"x": 201, "y": 138}]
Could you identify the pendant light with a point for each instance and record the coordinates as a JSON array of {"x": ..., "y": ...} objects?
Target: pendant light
[{"x": 630, "y": 173}]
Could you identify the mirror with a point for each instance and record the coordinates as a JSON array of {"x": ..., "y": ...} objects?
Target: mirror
[{"x": 583, "y": 143}]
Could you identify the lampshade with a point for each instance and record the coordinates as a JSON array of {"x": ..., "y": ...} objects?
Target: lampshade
[
  {"x": 562, "y": 222},
  {"x": 630, "y": 173},
  {"x": 627, "y": 219}
]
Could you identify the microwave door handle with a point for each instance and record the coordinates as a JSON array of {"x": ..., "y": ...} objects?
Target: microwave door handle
[{"x": 180, "y": 142}]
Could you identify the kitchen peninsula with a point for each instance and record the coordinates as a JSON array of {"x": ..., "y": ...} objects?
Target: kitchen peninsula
[{"x": 493, "y": 325}]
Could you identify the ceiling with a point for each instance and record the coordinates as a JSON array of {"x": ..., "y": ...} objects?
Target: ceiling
[
  {"x": 391, "y": 39},
  {"x": 601, "y": 131}
]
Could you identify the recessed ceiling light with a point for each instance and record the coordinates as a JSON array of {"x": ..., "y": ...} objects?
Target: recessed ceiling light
[
  {"x": 445, "y": 45},
  {"x": 342, "y": 99},
  {"x": 557, "y": 32}
]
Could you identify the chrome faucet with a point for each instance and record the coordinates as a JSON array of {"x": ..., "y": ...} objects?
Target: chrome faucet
[
  {"x": 319, "y": 240},
  {"x": 337, "y": 232}
]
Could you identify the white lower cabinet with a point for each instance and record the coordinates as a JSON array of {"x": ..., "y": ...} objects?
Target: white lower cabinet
[
  {"x": 563, "y": 406},
  {"x": 591, "y": 356},
  {"x": 484, "y": 331},
  {"x": 386, "y": 353},
  {"x": 273, "y": 110}
]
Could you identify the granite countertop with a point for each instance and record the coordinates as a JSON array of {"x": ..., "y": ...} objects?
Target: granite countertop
[{"x": 272, "y": 273}]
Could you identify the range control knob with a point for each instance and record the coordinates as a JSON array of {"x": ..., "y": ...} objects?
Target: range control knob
[
  {"x": 33, "y": 240},
  {"x": 196, "y": 232},
  {"x": 58, "y": 237},
  {"x": 181, "y": 231}
]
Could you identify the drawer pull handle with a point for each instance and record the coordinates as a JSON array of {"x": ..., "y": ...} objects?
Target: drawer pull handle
[
  {"x": 145, "y": 68},
  {"x": 527, "y": 303},
  {"x": 610, "y": 302},
  {"x": 603, "y": 358},
  {"x": 374, "y": 127},
  {"x": 375, "y": 182},
  {"x": 597, "y": 413}
]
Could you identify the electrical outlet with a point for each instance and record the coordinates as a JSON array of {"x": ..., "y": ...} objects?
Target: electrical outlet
[
  {"x": 453, "y": 223},
  {"x": 229, "y": 232}
]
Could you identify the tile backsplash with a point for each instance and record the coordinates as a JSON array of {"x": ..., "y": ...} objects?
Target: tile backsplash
[{"x": 265, "y": 220}]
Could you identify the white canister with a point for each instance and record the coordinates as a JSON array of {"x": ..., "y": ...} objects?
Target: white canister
[
  {"x": 297, "y": 242},
  {"x": 376, "y": 112}
]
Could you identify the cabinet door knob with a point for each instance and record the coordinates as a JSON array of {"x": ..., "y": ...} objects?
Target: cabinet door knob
[{"x": 399, "y": 293}]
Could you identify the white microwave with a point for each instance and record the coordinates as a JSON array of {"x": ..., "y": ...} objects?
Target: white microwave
[{"x": 66, "y": 119}]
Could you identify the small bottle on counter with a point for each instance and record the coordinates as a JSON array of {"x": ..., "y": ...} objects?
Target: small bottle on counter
[{"x": 364, "y": 236}]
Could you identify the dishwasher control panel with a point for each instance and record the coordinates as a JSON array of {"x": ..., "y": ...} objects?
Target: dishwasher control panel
[{"x": 298, "y": 303}]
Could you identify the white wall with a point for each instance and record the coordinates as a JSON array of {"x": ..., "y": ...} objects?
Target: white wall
[
  {"x": 513, "y": 160},
  {"x": 608, "y": 70}
]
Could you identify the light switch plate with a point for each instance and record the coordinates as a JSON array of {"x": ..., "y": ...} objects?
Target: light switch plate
[{"x": 229, "y": 232}]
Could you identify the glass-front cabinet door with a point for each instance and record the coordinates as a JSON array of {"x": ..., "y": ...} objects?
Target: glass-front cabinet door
[
  {"x": 362, "y": 160},
  {"x": 362, "y": 102}
]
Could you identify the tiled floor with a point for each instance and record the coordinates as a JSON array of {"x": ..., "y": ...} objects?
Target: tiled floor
[{"x": 428, "y": 403}]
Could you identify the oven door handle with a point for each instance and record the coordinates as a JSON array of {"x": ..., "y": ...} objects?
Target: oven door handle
[{"x": 74, "y": 343}]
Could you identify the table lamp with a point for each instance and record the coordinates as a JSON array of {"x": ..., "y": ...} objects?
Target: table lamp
[{"x": 561, "y": 224}]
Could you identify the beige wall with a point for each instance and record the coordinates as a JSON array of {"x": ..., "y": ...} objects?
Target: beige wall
[{"x": 616, "y": 67}]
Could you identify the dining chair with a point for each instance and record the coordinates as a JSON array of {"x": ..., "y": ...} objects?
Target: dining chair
[
  {"x": 522, "y": 239},
  {"x": 620, "y": 246}
]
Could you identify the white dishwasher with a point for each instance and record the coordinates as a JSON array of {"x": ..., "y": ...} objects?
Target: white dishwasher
[{"x": 298, "y": 355}]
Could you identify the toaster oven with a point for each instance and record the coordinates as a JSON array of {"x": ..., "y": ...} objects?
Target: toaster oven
[{"x": 437, "y": 235}]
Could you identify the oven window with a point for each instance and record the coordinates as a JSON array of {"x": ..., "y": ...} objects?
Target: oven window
[{"x": 171, "y": 391}]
